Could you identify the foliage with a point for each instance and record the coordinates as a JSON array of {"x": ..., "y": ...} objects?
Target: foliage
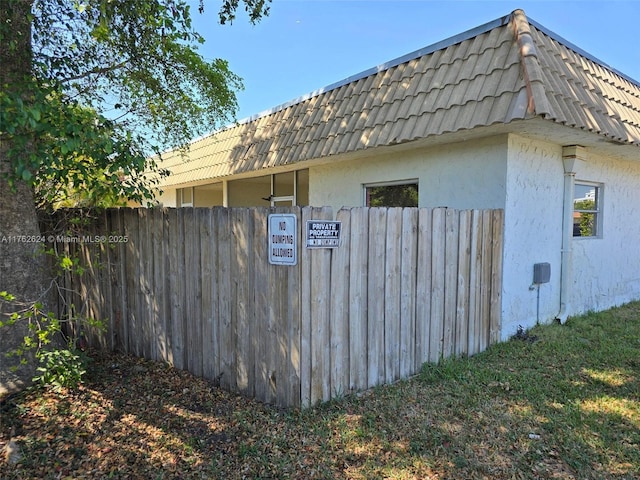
[
  {"x": 61, "y": 368},
  {"x": 77, "y": 157},
  {"x": 563, "y": 405},
  {"x": 587, "y": 220},
  {"x": 393, "y": 196},
  {"x": 100, "y": 70},
  {"x": 77, "y": 79}
]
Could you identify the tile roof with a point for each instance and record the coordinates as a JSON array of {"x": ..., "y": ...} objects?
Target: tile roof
[{"x": 508, "y": 69}]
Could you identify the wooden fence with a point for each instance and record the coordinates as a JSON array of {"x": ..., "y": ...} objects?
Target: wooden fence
[{"x": 194, "y": 288}]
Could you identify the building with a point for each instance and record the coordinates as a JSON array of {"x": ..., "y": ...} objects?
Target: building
[{"x": 505, "y": 116}]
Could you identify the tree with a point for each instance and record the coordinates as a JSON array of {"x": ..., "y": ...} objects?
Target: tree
[{"x": 88, "y": 89}]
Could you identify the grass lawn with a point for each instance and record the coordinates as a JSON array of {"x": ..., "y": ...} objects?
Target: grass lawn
[{"x": 559, "y": 402}]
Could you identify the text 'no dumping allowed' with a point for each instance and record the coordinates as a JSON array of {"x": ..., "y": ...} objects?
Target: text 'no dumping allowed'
[{"x": 283, "y": 239}]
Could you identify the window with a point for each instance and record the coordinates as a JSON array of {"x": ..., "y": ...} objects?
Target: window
[
  {"x": 185, "y": 197},
  {"x": 587, "y": 209},
  {"x": 392, "y": 194}
]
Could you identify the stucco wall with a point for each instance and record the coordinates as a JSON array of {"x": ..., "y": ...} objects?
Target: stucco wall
[
  {"x": 606, "y": 271},
  {"x": 167, "y": 198},
  {"x": 533, "y": 232},
  {"x": 461, "y": 175}
]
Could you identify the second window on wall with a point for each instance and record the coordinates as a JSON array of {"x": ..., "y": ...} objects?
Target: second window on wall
[
  {"x": 587, "y": 209},
  {"x": 395, "y": 194}
]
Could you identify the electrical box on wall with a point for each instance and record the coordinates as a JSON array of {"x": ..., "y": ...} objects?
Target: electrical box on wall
[{"x": 541, "y": 273}]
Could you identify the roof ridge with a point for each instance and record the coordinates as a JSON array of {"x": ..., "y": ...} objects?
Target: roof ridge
[{"x": 537, "y": 103}]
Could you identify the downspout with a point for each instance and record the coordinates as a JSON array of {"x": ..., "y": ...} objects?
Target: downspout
[{"x": 571, "y": 157}]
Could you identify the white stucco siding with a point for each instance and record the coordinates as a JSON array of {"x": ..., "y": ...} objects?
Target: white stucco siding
[
  {"x": 533, "y": 232},
  {"x": 460, "y": 175},
  {"x": 606, "y": 270}
]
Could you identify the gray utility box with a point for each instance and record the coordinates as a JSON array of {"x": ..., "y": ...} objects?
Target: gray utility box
[{"x": 541, "y": 273}]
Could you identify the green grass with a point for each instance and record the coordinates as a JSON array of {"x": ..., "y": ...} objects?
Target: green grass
[{"x": 563, "y": 404}]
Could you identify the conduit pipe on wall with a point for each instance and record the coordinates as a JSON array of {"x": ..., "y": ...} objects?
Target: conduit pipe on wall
[{"x": 572, "y": 156}]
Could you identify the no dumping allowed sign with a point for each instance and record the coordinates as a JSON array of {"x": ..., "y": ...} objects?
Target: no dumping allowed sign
[
  {"x": 283, "y": 239},
  {"x": 323, "y": 234}
]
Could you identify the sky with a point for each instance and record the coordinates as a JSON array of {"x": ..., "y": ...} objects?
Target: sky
[{"x": 304, "y": 45}]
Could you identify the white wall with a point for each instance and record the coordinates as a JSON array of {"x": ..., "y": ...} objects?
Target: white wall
[
  {"x": 533, "y": 232},
  {"x": 460, "y": 175},
  {"x": 606, "y": 271}
]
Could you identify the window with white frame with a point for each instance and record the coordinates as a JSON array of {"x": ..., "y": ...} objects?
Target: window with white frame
[
  {"x": 392, "y": 194},
  {"x": 185, "y": 197},
  {"x": 587, "y": 209}
]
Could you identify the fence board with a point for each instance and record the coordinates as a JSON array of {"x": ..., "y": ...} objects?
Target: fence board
[
  {"x": 226, "y": 341},
  {"x": 320, "y": 317},
  {"x": 357, "y": 244},
  {"x": 438, "y": 264},
  {"x": 408, "y": 292},
  {"x": 462, "y": 300},
  {"x": 265, "y": 311},
  {"x": 376, "y": 295},
  {"x": 485, "y": 286},
  {"x": 193, "y": 287},
  {"x": 339, "y": 314},
  {"x": 423, "y": 287},
  {"x": 392, "y": 289},
  {"x": 177, "y": 274},
  {"x": 144, "y": 296},
  {"x": 305, "y": 317},
  {"x": 241, "y": 308},
  {"x": 452, "y": 219},
  {"x": 497, "y": 245},
  {"x": 290, "y": 392},
  {"x": 207, "y": 258}
]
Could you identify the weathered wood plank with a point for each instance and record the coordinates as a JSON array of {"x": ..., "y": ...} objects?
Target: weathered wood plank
[
  {"x": 132, "y": 273},
  {"x": 462, "y": 303},
  {"x": 144, "y": 284},
  {"x": 358, "y": 247},
  {"x": 408, "y": 292},
  {"x": 451, "y": 281},
  {"x": 109, "y": 306},
  {"x": 160, "y": 280},
  {"x": 177, "y": 274},
  {"x": 424, "y": 275},
  {"x": 222, "y": 219},
  {"x": 475, "y": 281},
  {"x": 265, "y": 311},
  {"x": 376, "y": 295},
  {"x": 305, "y": 316},
  {"x": 279, "y": 372},
  {"x": 213, "y": 360},
  {"x": 156, "y": 295},
  {"x": 495, "y": 303},
  {"x": 320, "y": 316},
  {"x": 392, "y": 291},
  {"x": 485, "y": 287},
  {"x": 207, "y": 272},
  {"x": 290, "y": 393},
  {"x": 242, "y": 307},
  {"x": 438, "y": 283},
  {"x": 120, "y": 285},
  {"x": 339, "y": 328},
  {"x": 193, "y": 292}
]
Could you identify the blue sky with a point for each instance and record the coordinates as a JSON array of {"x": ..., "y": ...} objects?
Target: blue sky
[{"x": 304, "y": 45}]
